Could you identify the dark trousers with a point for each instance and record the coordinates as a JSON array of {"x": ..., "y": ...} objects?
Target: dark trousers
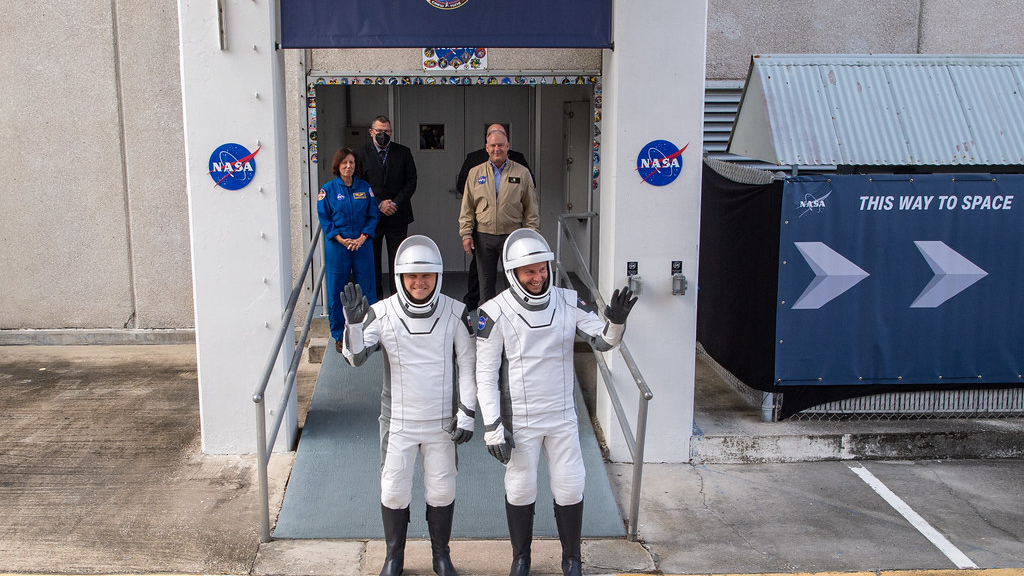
[
  {"x": 488, "y": 255},
  {"x": 472, "y": 298},
  {"x": 394, "y": 234}
]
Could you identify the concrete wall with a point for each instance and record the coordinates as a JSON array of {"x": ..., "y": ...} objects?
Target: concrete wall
[
  {"x": 155, "y": 161},
  {"x": 65, "y": 257},
  {"x": 738, "y": 28},
  {"x": 95, "y": 227},
  {"x": 989, "y": 27},
  {"x": 400, "y": 59}
]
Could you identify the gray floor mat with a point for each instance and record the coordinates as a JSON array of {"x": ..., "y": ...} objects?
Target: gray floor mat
[{"x": 334, "y": 489}]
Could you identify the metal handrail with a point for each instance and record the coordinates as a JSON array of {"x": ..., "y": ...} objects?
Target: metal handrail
[
  {"x": 635, "y": 444},
  {"x": 264, "y": 448}
]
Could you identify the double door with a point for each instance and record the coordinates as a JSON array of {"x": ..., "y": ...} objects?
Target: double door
[{"x": 442, "y": 124}]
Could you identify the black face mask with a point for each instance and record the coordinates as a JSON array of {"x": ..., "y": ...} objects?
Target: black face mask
[{"x": 382, "y": 138}]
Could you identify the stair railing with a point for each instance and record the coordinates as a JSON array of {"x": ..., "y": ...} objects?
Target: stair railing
[
  {"x": 264, "y": 448},
  {"x": 635, "y": 444}
]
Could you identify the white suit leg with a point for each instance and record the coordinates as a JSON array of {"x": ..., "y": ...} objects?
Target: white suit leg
[
  {"x": 397, "y": 469},
  {"x": 565, "y": 462},
  {"x": 521, "y": 470},
  {"x": 438, "y": 468}
]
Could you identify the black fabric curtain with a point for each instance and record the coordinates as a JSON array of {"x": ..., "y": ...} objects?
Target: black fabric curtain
[{"x": 738, "y": 275}]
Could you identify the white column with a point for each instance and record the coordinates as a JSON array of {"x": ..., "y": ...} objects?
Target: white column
[
  {"x": 653, "y": 90},
  {"x": 233, "y": 92}
]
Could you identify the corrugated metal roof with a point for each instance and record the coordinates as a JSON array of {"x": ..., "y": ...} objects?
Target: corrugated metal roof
[{"x": 882, "y": 110}]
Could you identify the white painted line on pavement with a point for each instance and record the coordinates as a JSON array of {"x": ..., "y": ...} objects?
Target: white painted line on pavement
[{"x": 945, "y": 546}]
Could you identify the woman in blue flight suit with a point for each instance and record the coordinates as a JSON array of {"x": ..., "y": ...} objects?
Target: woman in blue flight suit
[{"x": 348, "y": 216}]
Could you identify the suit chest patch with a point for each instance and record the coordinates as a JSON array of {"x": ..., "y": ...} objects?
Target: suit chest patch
[
  {"x": 359, "y": 195},
  {"x": 481, "y": 180},
  {"x": 514, "y": 180}
]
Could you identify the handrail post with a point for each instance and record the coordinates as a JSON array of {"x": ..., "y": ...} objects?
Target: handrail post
[
  {"x": 638, "y": 467},
  {"x": 262, "y": 464}
]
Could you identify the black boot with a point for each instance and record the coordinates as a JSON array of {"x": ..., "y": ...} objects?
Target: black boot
[
  {"x": 569, "y": 520},
  {"x": 396, "y": 526},
  {"x": 439, "y": 522},
  {"x": 520, "y": 532}
]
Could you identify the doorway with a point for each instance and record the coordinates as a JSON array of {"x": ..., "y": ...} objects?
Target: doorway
[{"x": 553, "y": 125}]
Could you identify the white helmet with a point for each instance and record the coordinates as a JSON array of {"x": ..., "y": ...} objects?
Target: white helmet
[
  {"x": 418, "y": 254},
  {"x": 522, "y": 248}
]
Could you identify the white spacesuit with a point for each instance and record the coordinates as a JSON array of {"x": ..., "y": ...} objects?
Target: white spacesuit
[
  {"x": 428, "y": 401},
  {"x": 524, "y": 372}
]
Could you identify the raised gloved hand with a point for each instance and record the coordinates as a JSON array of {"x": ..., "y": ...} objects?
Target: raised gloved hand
[
  {"x": 354, "y": 303},
  {"x": 620, "y": 305},
  {"x": 461, "y": 427},
  {"x": 500, "y": 443}
]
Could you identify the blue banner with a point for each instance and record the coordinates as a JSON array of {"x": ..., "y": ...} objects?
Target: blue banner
[
  {"x": 899, "y": 279},
  {"x": 423, "y": 23}
]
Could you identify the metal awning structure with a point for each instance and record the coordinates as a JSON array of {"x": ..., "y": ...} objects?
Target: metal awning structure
[{"x": 882, "y": 110}]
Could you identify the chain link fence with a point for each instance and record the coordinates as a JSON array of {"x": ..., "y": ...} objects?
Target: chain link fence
[{"x": 985, "y": 403}]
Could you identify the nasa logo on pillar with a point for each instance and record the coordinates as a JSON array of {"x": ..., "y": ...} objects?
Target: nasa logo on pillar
[
  {"x": 660, "y": 162},
  {"x": 232, "y": 166}
]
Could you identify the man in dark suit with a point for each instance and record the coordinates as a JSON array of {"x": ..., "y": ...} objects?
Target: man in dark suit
[
  {"x": 475, "y": 158},
  {"x": 389, "y": 168}
]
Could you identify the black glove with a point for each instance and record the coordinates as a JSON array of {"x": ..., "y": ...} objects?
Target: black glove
[
  {"x": 354, "y": 303},
  {"x": 500, "y": 444},
  {"x": 621, "y": 303},
  {"x": 459, "y": 435}
]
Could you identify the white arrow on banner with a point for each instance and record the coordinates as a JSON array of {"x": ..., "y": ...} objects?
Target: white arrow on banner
[
  {"x": 953, "y": 274},
  {"x": 833, "y": 275}
]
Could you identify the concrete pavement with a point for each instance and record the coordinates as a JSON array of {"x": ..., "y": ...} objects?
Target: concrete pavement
[{"x": 101, "y": 472}]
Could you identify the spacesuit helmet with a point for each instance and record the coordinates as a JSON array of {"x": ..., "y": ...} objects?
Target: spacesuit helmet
[
  {"x": 522, "y": 248},
  {"x": 418, "y": 254}
]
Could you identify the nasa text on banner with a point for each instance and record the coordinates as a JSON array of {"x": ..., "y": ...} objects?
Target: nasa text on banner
[
  {"x": 901, "y": 280},
  {"x": 421, "y": 23}
]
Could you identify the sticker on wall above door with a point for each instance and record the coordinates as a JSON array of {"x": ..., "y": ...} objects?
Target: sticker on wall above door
[
  {"x": 660, "y": 162},
  {"x": 455, "y": 58},
  {"x": 232, "y": 166}
]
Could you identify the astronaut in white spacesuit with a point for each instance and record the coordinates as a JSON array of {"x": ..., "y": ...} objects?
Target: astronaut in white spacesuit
[
  {"x": 524, "y": 374},
  {"x": 423, "y": 408}
]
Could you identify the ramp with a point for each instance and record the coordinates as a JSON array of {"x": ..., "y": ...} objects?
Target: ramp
[{"x": 334, "y": 490}]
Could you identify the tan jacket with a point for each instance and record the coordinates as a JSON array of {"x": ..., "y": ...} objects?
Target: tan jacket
[{"x": 517, "y": 207}]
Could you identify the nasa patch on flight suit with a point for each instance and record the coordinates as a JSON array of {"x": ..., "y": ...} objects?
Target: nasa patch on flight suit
[
  {"x": 321, "y": 195},
  {"x": 514, "y": 180},
  {"x": 484, "y": 325},
  {"x": 481, "y": 180}
]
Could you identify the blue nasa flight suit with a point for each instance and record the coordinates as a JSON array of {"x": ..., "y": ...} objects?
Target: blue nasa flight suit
[{"x": 348, "y": 212}]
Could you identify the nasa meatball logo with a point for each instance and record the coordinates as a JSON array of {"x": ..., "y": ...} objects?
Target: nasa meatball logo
[
  {"x": 447, "y": 4},
  {"x": 660, "y": 162},
  {"x": 232, "y": 166}
]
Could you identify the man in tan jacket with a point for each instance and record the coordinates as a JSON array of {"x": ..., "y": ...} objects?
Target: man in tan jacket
[{"x": 499, "y": 198}]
